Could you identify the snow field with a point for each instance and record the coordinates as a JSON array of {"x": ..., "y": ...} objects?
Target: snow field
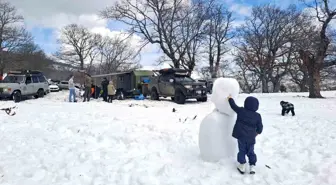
[{"x": 130, "y": 142}]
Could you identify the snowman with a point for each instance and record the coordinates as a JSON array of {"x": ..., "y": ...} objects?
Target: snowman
[{"x": 215, "y": 134}]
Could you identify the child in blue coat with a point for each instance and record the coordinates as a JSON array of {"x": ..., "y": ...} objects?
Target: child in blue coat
[{"x": 247, "y": 127}]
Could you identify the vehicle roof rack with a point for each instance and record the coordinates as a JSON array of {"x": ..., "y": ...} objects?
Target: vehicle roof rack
[
  {"x": 172, "y": 70},
  {"x": 24, "y": 72}
]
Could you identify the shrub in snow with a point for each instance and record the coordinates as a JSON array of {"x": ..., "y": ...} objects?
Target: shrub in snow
[{"x": 215, "y": 135}]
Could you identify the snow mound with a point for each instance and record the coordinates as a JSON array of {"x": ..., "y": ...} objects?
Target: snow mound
[{"x": 222, "y": 88}]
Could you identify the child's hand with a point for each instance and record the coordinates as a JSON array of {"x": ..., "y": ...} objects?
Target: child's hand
[{"x": 229, "y": 97}]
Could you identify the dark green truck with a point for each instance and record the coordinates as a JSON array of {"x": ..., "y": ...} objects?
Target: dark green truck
[{"x": 177, "y": 84}]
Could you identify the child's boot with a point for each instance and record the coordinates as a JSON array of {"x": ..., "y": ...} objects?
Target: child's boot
[
  {"x": 241, "y": 168},
  {"x": 252, "y": 169}
]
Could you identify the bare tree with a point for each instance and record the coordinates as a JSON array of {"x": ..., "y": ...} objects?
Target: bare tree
[
  {"x": 315, "y": 55},
  {"x": 27, "y": 56},
  {"x": 218, "y": 33},
  {"x": 265, "y": 39},
  {"x": 78, "y": 45},
  {"x": 12, "y": 32},
  {"x": 31, "y": 56},
  {"x": 117, "y": 55},
  {"x": 191, "y": 30},
  {"x": 165, "y": 23},
  {"x": 299, "y": 74},
  {"x": 248, "y": 81},
  {"x": 281, "y": 68}
]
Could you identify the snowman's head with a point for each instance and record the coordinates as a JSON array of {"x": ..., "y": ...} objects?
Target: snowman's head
[{"x": 222, "y": 88}]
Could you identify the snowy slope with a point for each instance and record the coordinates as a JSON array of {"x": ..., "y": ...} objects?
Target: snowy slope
[{"x": 52, "y": 142}]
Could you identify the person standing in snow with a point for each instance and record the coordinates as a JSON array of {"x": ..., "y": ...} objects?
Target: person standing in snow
[
  {"x": 104, "y": 85},
  {"x": 247, "y": 127},
  {"x": 72, "y": 91},
  {"x": 87, "y": 87},
  {"x": 111, "y": 91}
]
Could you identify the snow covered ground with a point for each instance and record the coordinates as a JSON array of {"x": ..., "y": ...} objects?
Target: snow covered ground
[{"x": 53, "y": 142}]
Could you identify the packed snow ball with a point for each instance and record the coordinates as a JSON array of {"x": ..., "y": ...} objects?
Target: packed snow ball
[
  {"x": 215, "y": 140},
  {"x": 222, "y": 88}
]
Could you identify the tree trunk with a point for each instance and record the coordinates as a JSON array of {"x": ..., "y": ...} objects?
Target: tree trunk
[
  {"x": 264, "y": 84},
  {"x": 303, "y": 87},
  {"x": 212, "y": 71},
  {"x": 81, "y": 59},
  {"x": 276, "y": 86},
  {"x": 2, "y": 70},
  {"x": 314, "y": 76},
  {"x": 314, "y": 82}
]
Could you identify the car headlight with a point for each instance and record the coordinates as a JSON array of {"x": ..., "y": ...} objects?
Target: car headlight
[{"x": 188, "y": 86}]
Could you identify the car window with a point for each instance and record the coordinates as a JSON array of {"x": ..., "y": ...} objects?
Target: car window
[
  {"x": 13, "y": 79},
  {"x": 165, "y": 78},
  {"x": 64, "y": 82},
  {"x": 35, "y": 79},
  {"x": 42, "y": 79}
]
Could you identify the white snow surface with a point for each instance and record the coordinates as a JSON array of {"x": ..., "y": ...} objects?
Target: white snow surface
[
  {"x": 53, "y": 142},
  {"x": 215, "y": 140}
]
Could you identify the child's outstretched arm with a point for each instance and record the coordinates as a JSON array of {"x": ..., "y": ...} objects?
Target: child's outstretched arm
[
  {"x": 233, "y": 104},
  {"x": 259, "y": 126}
]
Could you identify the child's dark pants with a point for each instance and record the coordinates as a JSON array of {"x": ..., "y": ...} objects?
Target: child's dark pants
[{"x": 246, "y": 148}]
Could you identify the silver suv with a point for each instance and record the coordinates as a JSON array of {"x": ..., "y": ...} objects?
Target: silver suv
[{"x": 18, "y": 84}]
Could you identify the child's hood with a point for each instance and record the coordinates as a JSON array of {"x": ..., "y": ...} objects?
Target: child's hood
[{"x": 251, "y": 103}]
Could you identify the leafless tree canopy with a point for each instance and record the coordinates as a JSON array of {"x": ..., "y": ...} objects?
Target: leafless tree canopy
[
  {"x": 248, "y": 80},
  {"x": 116, "y": 54},
  {"x": 266, "y": 43},
  {"x": 273, "y": 44},
  {"x": 218, "y": 32},
  {"x": 176, "y": 26},
  {"x": 12, "y": 33},
  {"x": 77, "y": 45}
]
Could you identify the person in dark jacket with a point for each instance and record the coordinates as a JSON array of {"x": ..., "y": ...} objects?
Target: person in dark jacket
[
  {"x": 247, "y": 127},
  {"x": 286, "y": 107},
  {"x": 104, "y": 85},
  {"x": 87, "y": 87}
]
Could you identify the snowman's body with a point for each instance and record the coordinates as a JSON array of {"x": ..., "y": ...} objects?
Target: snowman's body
[{"x": 215, "y": 135}]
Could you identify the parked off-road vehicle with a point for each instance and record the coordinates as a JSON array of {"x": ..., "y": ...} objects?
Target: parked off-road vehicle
[
  {"x": 177, "y": 84},
  {"x": 18, "y": 84},
  {"x": 208, "y": 84}
]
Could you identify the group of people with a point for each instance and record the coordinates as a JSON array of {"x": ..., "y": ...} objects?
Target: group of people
[
  {"x": 108, "y": 90},
  {"x": 107, "y": 86}
]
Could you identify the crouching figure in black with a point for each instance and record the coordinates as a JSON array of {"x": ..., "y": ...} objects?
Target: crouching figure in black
[{"x": 286, "y": 107}]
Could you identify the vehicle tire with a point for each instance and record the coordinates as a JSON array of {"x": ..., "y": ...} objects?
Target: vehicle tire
[
  {"x": 204, "y": 99},
  {"x": 39, "y": 94},
  {"x": 179, "y": 97},
  {"x": 17, "y": 96},
  {"x": 154, "y": 95}
]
